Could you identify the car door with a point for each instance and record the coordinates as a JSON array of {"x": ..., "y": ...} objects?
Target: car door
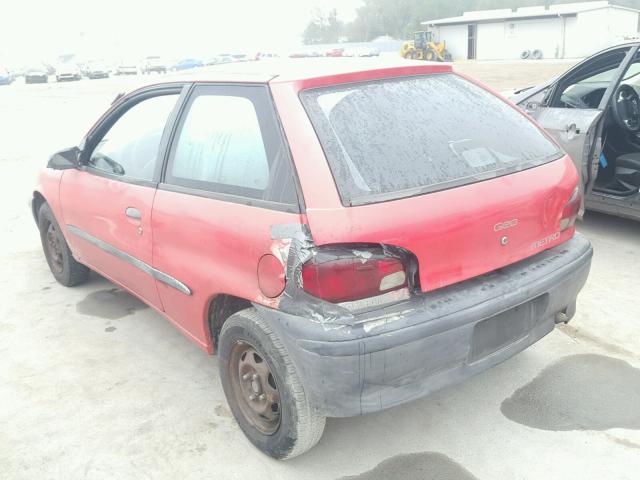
[
  {"x": 572, "y": 109},
  {"x": 229, "y": 179},
  {"x": 106, "y": 203}
]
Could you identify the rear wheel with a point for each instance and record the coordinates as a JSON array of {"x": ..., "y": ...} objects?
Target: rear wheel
[
  {"x": 430, "y": 55},
  {"x": 64, "y": 267},
  {"x": 263, "y": 389}
]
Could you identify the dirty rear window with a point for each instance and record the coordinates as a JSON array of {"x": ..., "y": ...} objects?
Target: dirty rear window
[{"x": 406, "y": 136}]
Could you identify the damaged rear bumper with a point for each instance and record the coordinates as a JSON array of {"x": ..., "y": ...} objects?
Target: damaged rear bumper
[{"x": 405, "y": 351}]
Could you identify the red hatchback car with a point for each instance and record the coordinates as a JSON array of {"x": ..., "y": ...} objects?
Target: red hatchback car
[{"x": 345, "y": 240}]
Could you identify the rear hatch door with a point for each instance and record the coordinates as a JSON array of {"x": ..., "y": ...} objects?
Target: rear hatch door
[{"x": 442, "y": 167}]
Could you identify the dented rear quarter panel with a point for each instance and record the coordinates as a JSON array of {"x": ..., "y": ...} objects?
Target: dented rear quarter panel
[{"x": 214, "y": 247}]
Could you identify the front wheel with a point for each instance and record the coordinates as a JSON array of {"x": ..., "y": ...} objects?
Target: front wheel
[
  {"x": 263, "y": 389},
  {"x": 64, "y": 267}
]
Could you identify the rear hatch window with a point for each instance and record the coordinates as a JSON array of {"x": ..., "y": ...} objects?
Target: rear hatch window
[{"x": 401, "y": 137}]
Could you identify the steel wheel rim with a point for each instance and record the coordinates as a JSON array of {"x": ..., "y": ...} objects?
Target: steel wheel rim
[
  {"x": 254, "y": 387},
  {"x": 54, "y": 247}
]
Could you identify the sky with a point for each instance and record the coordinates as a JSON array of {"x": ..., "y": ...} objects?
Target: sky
[{"x": 40, "y": 30}]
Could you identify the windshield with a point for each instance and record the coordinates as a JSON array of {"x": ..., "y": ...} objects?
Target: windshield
[{"x": 400, "y": 137}]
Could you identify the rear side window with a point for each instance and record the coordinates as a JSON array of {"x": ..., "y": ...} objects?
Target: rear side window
[
  {"x": 400, "y": 137},
  {"x": 229, "y": 142},
  {"x": 221, "y": 143}
]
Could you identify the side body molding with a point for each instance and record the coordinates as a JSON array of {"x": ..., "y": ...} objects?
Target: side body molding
[{"x": 145, "y": 267}]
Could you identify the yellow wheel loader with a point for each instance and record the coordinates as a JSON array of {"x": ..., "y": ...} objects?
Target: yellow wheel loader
[{"x": 425, "y": 47}]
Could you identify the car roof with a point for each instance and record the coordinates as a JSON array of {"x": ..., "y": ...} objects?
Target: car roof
[{"x": 301, "y": 70}]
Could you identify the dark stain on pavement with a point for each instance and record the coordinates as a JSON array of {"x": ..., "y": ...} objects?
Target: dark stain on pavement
[
  {"x": 417, "y": 466},
  {"x": 109, "y": 304},
  {"x": 110, "y": 329},
  {"x": 579, "y": 392}
]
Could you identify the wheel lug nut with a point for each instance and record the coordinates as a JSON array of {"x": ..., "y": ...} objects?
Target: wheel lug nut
[
  {"x": 252, "y": 397},
  {"x": 246, "y": 376},
  {"x": 262, "y": 397},
  {"x": 255, "y": 376}
]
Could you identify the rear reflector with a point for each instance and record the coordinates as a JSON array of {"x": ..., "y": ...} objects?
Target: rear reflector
[
  {"x": 571, "y": 210},
  {"x": 340, "y": 274}
]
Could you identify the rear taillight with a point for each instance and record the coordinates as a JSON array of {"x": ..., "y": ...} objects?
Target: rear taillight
[
  {"x": 571, "y": 210},
  {"x": 340, "y": 274}
]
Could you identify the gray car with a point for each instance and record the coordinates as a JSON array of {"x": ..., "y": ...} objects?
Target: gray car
[{"x": 593, "y": 111}]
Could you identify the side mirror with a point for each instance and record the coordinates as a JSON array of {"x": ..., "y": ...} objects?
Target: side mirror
[{"x": 65, "y": 159}]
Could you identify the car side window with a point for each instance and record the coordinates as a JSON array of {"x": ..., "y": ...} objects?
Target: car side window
[
  {"x": 585, "y": 86},
  {"x": 131, "y": 145},
  {"x": 229, "y": 142}
]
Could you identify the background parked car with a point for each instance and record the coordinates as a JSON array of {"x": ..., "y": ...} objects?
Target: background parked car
[
  {"x": 263, "y": 55},
  {"x": 16, "y": 71},
  {"x": 36, "y": 75},
  {"x": 188, "y": 63},
  {"x": 97, "y": 69},
  {"x": 335, "y": 52},
  {"x": 68, "y": 71},
  {"x": 367, "y": 52},
  {"x": 5, "y": 77},
  {"x": 153, "y": 64},
  {"x": 215, "y": 60},
  {"x": 127, "y": 68},
  {"x": 225, "y": 58}
]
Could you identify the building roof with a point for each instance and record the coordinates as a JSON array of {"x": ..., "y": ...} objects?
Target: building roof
[{"x": 522, "y": 13}]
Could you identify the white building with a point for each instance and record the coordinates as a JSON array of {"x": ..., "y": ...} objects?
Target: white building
[{"x": 567, "y": 30}]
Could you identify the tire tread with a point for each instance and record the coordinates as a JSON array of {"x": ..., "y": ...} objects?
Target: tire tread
[
  {"x": 310, "y": 425},
  {"x": 77, "y": 273}
]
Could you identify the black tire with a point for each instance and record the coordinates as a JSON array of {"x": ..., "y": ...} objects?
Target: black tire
[
  {"x": 299, "y": 426},
  {"x": 525, "y": 54},
  {"x": 63, "y": 266},
  {"x": 537, "y": 54}
]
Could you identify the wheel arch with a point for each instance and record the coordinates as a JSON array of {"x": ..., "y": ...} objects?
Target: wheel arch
[
  {"x": 221, "y": 307},
  {"x": 37, "y": 201}
]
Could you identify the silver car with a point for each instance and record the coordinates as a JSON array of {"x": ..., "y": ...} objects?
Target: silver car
[{"x": 593, "y": 111}]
